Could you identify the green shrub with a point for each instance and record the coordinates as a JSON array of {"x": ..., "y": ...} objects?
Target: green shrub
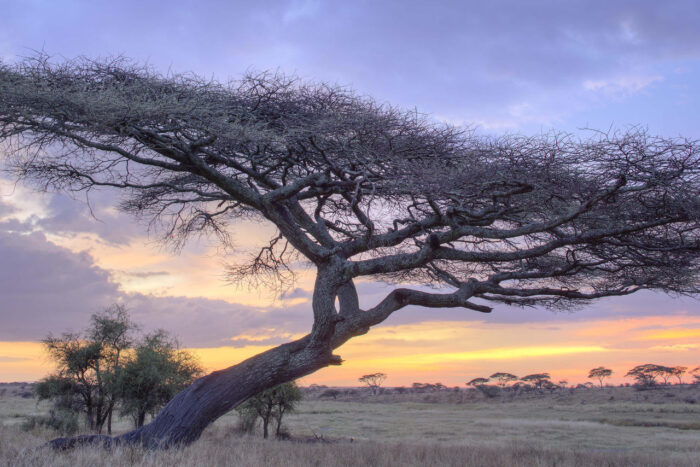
[{"x": 62, "y": 421}]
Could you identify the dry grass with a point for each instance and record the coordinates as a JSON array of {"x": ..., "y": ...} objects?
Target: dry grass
[
  {"x": 557, "y": 430},
  {"x": 221, "y": 447}
]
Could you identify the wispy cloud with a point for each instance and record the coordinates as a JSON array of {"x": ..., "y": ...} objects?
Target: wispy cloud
[{"x": 622, "y": 86}]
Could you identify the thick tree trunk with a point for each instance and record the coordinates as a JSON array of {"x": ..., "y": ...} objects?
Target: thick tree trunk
[{"x": 184, "y": 418}]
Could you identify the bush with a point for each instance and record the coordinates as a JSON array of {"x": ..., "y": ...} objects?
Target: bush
[
  {"x": 489, "y": 391},
  {"x": 63, "y": 421},
  {"x": 247, "y": 421},
  {"x": 334, "y": 393},
  {"x": 645, "y": 385},
  {"x": 269, "y": 405}
]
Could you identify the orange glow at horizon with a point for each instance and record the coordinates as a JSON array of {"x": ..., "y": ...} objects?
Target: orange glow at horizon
[{"x": 450, "y": 352}]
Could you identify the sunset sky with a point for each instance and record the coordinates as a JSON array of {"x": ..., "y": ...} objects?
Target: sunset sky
[{"x": 502, "y": 66}]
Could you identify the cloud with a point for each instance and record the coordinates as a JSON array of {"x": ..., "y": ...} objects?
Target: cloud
[
  {"x": 621, "y": 86},
  {"x": 464, "y": 60},
  {"x": 295, "y": 293},
  {"x": 95, "y": 214},
  {"x": 6, "y": 209},
  {"x": 46, "y": 288},
  {"x": 147, "y": 274},
  {"x": 676, "y": 348}
]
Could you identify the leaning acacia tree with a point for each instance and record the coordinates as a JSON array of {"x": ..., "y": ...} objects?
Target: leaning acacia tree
[{"x": 358, "y": 190}]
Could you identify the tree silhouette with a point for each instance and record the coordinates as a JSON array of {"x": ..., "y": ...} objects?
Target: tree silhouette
[
  {"x": 477, "y": 381},
  {"x": 646, "y": 374},
  {"x": 503, "y": 378},
  {"x": 537, "y": 379},
  {"x": 373, "y": 381},
  {"x": 678, "y": 372},
  {"x": 357, "y": 190},
  {"x": 600, "y": 373},
  {"x": 696, "y": 374}
]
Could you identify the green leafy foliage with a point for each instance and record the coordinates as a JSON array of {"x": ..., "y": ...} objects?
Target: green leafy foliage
[
  {"x": 154, "y": 372},
  {"x": 60, "y": 419},
  {"x": 88, "y": 367},
  {"x": 269, "y": 405},
  {"x": 101, "y": 369}
]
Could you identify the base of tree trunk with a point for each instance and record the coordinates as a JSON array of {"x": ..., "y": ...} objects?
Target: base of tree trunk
[{"x": 185, "y": 417}]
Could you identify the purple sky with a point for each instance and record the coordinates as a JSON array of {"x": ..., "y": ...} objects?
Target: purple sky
[{"x": 504, "y": 66}]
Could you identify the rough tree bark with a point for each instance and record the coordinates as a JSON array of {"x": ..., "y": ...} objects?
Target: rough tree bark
[{"x": 183, "y": 419}]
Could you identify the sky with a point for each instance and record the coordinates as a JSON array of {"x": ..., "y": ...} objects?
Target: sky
[{"x": 500, "y": 67}]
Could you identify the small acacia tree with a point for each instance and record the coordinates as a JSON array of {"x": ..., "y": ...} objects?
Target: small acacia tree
[
  {"x": 358, "y": 190},
  {"x": 539, "y": 380},
  {"x": 153, "y": 373},
  {"x": 476, "y": 382},
  {"x": 373, "y": 381},
  {"x": 645, "y": 375},
  {"x": 88, "y": 367},
  {"x": 696, "y": 374},
  {"x": 503, "y": 378},
  {"x": 664, "y": 372},
  {"x": 600, "y": 373},
  {"x": 678, "y": 372},
  {"x": 490, "y": 391},
  {"x": 270, "y": 405}
]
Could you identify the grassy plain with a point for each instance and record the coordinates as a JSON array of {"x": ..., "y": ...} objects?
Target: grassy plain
[{"x": 612, "y": 426}]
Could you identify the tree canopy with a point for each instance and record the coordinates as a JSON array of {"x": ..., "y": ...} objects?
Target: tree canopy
[
  {"x": 106, "y": 367},
  {"x": 153, "y": 373},
  {"x": 503, "y": 378},
  {"x": 270, "y": 404},
  {"x": 88, "y": 367},
  {"x": 373, "y": 381},
  {"x": 357, "y": 189},
  {"x": 600, "y": 373}
]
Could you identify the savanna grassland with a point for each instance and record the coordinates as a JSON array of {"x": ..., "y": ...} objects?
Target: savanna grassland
[{"x": 609, "y": 426}]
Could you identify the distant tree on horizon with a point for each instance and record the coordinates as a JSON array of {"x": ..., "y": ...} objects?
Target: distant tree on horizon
[
  {"x": 600, "y": 373},
  {"x": 373, "y": 381},
  {"x": 665, "y": 373},
  {"x": 537, "y": 379},
  {"x": 503, "y": 378},
  {"x": 646, "y": 374},
  {"x": 477, "y": 381},
  {"x": 678, "y": 372},
  {"x": 696, "y": 374}
]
